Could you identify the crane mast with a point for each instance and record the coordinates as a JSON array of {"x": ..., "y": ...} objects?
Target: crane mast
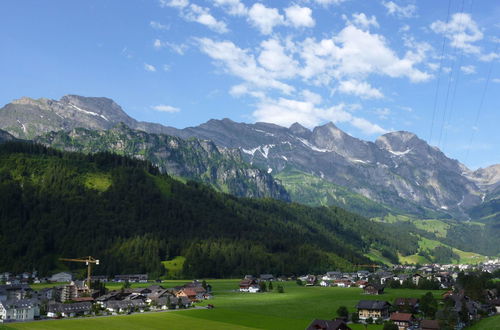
[{"x": 88, "y": 261}]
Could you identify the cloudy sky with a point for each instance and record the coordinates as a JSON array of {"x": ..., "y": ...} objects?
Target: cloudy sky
[{"x": 430, "y": 67}]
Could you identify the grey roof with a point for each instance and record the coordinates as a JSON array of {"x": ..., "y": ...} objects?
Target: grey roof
[
  {"x": 118, "y": 304},
  {"x": 373, "y": 304},
  {"x": 19, "y": 303},
  {"x": 70, "y": 308}
]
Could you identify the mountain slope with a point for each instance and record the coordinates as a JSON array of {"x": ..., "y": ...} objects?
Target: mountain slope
[
  {"x": 131, "y": 217},
  {"x": 399, "y": 170},
  {"x": 194, "y": 159}
]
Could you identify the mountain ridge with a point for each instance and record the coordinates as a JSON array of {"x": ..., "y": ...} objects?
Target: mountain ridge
[{"x": 398, "y": 169}]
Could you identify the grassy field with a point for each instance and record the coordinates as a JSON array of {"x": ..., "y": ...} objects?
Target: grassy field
[
  {"x": 174, "y": 266},
  {"x": 294, "y": 309},
  {"x": 489, "y": 323}
]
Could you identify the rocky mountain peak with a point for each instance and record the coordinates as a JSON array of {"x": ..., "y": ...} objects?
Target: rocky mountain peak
[
  {"x": 299, "y": 130},
  {"x": 399, "y": 141}
]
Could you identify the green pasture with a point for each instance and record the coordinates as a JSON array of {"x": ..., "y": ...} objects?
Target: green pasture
[
  {"x": 489, "y": 323},
  {"x": 294, "y": 309}
]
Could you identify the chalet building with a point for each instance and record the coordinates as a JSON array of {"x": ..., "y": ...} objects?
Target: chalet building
[
  {"x": 100, "y": 278},
  {"x": 416, "y": 278},
  {"x": 266, "y": 277},
  {"x": 409, "y": 305},
  {"x": 19, "y": 310},
  {"x": 188, "y": 293},
  {"x": 328, "y": 325},
  {"x": 139, "y": 278},
  {"x": 69, "y": 310},
  {"x": 361, "y": 284},
  {"x": 246, "y": 284},
  {"x": 403, "y": 320},
  {"x": 16, "y": 291},
  {"x": 121, "y": 306},
  {"x": 61, "y": 277},
  {"x": 373, "y": 289},
  {"x": 375, "y": 309},
  {"x": 343, "y": 283},
  {"x": 429, "y": 325}
]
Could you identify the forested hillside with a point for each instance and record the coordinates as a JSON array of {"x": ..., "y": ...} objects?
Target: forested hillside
[{"x": 131, "y": 217}]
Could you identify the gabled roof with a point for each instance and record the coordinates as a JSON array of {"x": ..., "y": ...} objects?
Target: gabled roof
[
  {"x": 373, "y": 304},
  {"x": 18, "y": 303},
  {"x": 406, "y": 301},
  {"x": 429, "y": 324},
  {"x": 405, "y": 317},
  {"x": 327, "y": 325},
  {"x": 70, "y": 308}
]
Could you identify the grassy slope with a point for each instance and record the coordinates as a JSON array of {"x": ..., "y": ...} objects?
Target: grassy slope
[
  {"x": 437, "y": 227},
  {"x": 174, "y": 266},
  {"x": 234, "y": 310},
  {"x": 311, "y": 190},
  {"x": 490, "y": 323}
]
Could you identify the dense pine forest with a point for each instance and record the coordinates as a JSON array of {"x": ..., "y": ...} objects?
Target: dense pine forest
[{"x": 130, "y": 216}]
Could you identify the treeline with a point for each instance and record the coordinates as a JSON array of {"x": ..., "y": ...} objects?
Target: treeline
[{"x": 142, "y": 217}]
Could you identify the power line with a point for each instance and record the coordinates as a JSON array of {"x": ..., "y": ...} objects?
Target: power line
[
  {"x": 479, "y": 109},
  {"x": 439, "y": 75}
]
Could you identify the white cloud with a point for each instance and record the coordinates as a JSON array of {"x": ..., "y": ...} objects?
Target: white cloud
[
  {"x": 264, "y": 18},
  {"x": 158, "y": 44},
  {"x": 400, "y": 11},
  {"x": 362, "y": 21},
  {"x": 232, "y": 7},
  {"x": 383, "y": 113},
  {"x": 158, "y": 25},
  {"x": 165, "y": 108},
  {"x": 177, "y": 48},
  {"x": 174, "y": 3},
  {"x": 149, "y": 67},
  {"x": 468, "y": 69},
  {"x": 273, "y": 58},
  {"x": 241, "y": 63},
  {"x": 297, "y": 16},
  {"x": 202, "y": 15},
  {"x": 496, "y": 80},
  {"x": 462, "y": 31},
  {"x": 360, "y": 88},
  {"x": 328, "y": 2},
  {"x": 285, "y": 112}
]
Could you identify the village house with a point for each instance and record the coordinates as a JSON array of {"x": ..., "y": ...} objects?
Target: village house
[
  {"x": 122, "y": 306},
  {"x": 138, "y": 278},
  {"x": 409, "y": 305},
  {"x": 343, "y": 283},
  {"x": 16, "y": 291},
  {"x": 247, "y": 284},
  {"x": 19, "y": 310},
  {"x": 189, "y": 293},
  {"x": 61, "y": 277},
  {"x": 429, "y": 325},
  {"x": 416, "y": 278},
  {"x": 361, "y": 284},
  {"x": 375, "y": 309},
  {"x": 374, "y": 289},
  {"x": 403, "y": 320},
  {"x": 266, "y": 277},
  {"x": 69, "y": 310},
  {"x": 328, "y": 325}
]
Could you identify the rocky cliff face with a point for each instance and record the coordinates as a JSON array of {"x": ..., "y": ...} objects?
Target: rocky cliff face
[
  {"x": 399, "y": 169},
  {"x": 4, "y": 136},
  {"x": 194, "y": 159},
  {"x": 26, "y": 118}
]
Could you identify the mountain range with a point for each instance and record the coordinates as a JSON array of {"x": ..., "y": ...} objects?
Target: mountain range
[{"x": 398, "y": 173}]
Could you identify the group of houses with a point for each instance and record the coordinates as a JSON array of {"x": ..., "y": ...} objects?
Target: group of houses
[{"x": 19, "y": 302}]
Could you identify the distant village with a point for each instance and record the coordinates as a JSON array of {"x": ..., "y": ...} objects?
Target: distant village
[{"x": 68, "y": 297}]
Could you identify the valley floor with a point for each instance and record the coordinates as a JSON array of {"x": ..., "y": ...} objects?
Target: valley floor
[{"x": 294, "y": 309}]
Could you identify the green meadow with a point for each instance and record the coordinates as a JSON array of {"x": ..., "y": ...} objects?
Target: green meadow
[
  {"x": 490, "y": 323},
  {"x": 294, "y": 309}
]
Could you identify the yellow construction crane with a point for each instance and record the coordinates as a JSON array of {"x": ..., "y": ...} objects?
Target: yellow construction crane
[{"x": 88, "y": 261}]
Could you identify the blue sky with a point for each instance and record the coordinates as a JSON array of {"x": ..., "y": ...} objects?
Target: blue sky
[{"x": 429, "y": 67}]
